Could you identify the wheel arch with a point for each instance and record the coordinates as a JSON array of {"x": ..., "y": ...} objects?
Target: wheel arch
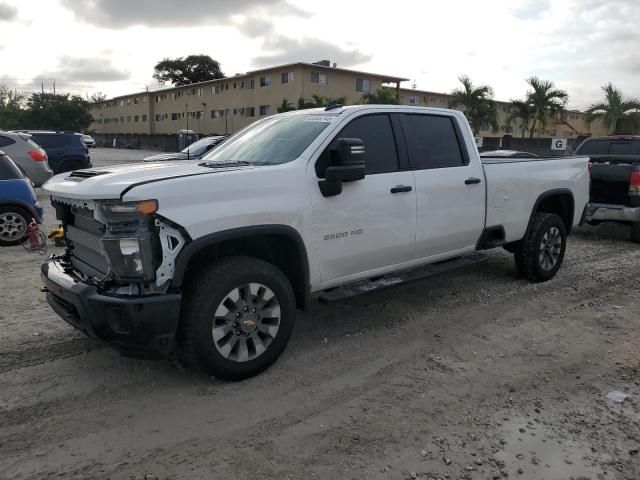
[
  {"x": 280, "y": 245},
  {"x": 559, "y": 201},
  {"x": 23, "y": 205}
]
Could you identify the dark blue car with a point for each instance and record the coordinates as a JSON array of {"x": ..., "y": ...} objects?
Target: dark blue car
[
  {"x": 66, "y": 150},
  {"x": 18, "y": 202}
]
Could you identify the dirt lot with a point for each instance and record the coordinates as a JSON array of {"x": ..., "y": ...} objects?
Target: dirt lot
[{"x": 476, "y": 375}]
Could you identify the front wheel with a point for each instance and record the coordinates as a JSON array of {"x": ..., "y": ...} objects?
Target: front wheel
[
  {"x": 237, "y": 318},
  {"x": 541, "y": 252}
]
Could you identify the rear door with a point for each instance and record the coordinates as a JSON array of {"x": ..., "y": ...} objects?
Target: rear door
[
  {"x": 371, "y": 224},
  {"x": 449, "y": 186}
]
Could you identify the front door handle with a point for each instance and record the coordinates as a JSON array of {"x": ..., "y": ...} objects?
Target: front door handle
[
  {"x": 472, "y": 181},
  {"x": 401, "y": 188}
]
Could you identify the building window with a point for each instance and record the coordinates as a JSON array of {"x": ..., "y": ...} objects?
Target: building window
[
  {"x": 250, "y": 84},
  {"x": 552, "y": 132},
  {"x": 287, "y": 77},
  {"x": 363, "y": 85},
  {"x": 144, "y": 99},
  {"x": 319, "y": 78},
  {"x": 199, "y": 92},
  {"x": 136, "y": 118},
  {"x": 265, "y": 81},
  {"x": 250, "y": 112},
  {"x": 226, "y": 86},
  {"x": 217, "y": 113},
  {"x": 199, "y": 115},
  {"x": 174, "y": 116},
  {"x": 121, "y": 119},
  {"x": 414, "y": 100},
  {"x": 234, "y": 85},
  {"x": 215, "y": 90},
  {"x": 128, "y": 101},
  {"x": 136, "y": 101},
  {"x": 122, "y": 103},
  {"x": 264, "y": 110},
  {"x": 144, "y": 117}
]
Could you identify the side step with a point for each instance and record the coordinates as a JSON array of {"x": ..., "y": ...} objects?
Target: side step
[{"x": 342, "y": 293}]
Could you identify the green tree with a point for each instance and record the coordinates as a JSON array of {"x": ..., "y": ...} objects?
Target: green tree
[
  {"x": 285, "y": 106},
  {"x": 97, "y": 97},
  {"x": 522, "y": 110},
  {"x": 318, "y": 101},
  {"x": 57, "y": 112},
  {"x": 187, "y": 70},
  {"x": 546, "y": 101},
  {"x": 614, "y": 110},
  {"x": 478, "y": 104},
  {"x": 382, "y": 96},
  {"x": 12, "y": 104}
]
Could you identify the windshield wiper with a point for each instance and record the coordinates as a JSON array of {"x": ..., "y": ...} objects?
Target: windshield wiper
[{"x": 226, "y": 163}]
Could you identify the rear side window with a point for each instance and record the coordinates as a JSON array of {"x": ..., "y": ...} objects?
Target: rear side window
[
  {"x": 432, "y": 141},
  {"x": 49, "y": 141},
  {"x": 6, "y": 141},
  {"x": 8, "y": 169},
  {"x": 594, "y": 147},
  {"x": 379, "y": 143},
  {"x": 620, "y": 148}
]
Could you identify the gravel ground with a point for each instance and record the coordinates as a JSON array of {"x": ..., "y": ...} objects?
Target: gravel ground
[{"x": 474, "y": 375}]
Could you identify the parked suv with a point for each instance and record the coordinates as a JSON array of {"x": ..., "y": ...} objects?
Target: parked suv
[
  {"x": 194, "y": 151},
  {"x": 27, "y": 155},
  {"x": 66, "y": 150},
  {"x": 615, "y": 181}
]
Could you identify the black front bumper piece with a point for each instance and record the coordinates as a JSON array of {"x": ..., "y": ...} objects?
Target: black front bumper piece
[{"x": 140, "y": 326}]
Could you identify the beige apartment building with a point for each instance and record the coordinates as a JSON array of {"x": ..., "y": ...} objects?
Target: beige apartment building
[
  {"x": 229, "y": 104},
  {"x": 571, "y": 124}
]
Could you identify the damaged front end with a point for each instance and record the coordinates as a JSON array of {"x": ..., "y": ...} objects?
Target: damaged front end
[{"x": 114, "y": 279}]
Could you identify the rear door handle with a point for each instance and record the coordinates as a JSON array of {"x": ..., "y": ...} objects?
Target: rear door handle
[
  {"x": 401, "y": 188},
  {"x": 472, "y": 181}
]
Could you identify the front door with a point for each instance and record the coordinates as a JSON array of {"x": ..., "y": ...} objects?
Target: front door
[{"x": 372, "y": 223}]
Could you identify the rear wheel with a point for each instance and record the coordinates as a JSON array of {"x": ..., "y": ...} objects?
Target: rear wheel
[
  {"x": 13, "y": 225},
  {"x": 541, "y": 252},
  {"x": 237, "y": 318},
  {"x": 635, "y": 232}
]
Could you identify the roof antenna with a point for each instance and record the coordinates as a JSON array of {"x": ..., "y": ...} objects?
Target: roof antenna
[{"x": 332, "y": 105}]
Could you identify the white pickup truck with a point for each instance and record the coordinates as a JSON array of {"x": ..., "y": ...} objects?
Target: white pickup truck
[{"x": 210, "y": 259}]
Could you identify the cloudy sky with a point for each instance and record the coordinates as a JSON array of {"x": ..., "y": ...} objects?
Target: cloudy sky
[{"x": 111, "y": 45}]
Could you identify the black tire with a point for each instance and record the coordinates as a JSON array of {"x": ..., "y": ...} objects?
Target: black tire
[
  {"x": 206, "y": 293},
  {"x": 635, "y": 232},
  {"x": 10, "y": 217},
  {"x": 533, "y": 258}
]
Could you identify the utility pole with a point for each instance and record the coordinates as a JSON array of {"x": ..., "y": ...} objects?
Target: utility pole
[
  {"x": 54, "y": 87},
  {"x": 42, "y": 86}
]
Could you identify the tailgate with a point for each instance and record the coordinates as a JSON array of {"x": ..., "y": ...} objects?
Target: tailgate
[{"x": 610, "y": 183}]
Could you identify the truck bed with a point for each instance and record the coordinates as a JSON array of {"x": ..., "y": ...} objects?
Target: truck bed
[{"x": 514, "y": 185}]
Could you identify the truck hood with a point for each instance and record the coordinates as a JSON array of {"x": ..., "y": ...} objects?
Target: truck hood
[{"x": 111, "y": 182}]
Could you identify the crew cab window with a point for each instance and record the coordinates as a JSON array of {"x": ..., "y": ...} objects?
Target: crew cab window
[
  {"x": 432, "y": 141},
  {"x": 6, "y": 141},
  {"x": 379, "y": 144},
  {"x": 594, "y": 147},
  {"x": 620, "y": 148}
]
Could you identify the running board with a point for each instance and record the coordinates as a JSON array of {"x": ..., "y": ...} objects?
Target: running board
[{"x": 342, "y": 293}]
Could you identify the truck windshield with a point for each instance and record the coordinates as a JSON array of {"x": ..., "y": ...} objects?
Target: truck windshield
[{"x": 273, "y": 141}]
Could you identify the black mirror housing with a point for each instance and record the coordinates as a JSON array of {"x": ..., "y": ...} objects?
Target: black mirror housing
[{"x": 348, "y": 162}]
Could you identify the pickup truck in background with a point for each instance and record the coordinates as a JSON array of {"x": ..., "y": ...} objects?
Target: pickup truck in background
[
  {"x": 615, "y": 181},
  {"x": 211, "y": 258}
]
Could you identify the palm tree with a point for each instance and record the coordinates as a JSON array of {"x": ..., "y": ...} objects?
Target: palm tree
[
  {"x": 318, "y": 101},
  {"x": 520, "y": 109},
  {"x": 382, "y": 96},
  {"x": 614, "y": 109},
  {"x": 285, "y": 106},
  {"x": 546, "y": 101},
  {"x": 478, "y": 104}
]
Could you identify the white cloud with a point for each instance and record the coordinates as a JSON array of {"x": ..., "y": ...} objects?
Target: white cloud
[{"x": 578, "y": 44}]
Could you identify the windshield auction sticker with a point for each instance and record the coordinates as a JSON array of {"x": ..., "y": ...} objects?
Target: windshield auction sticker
[{"x": 317, "y": 118}]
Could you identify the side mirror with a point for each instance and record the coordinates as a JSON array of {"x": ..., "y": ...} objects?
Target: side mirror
[
  {"x": 348, "y": 161},
  {"x": 347, "y": 165}
]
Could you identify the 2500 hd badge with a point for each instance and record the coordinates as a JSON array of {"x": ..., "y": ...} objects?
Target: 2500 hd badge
[{"x": 334, "y": 236}]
